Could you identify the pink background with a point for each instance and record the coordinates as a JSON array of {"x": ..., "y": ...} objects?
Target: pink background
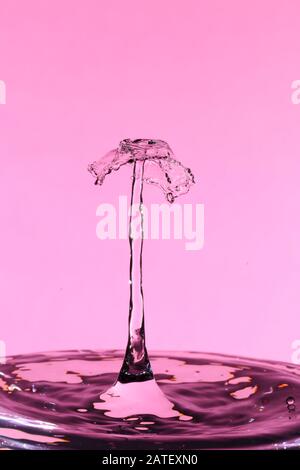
[{"x": 213, "y": 78}]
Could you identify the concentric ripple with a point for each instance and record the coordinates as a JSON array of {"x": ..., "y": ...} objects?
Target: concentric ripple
[{"x": 61, "y": 400}]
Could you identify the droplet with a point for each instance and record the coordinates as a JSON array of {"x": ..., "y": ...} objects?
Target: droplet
[
  {"x": 290, "y": 401},
  {"x": 170, "y": 198}
]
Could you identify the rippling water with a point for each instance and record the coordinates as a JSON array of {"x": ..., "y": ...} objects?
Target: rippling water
[{"x": 52, "y": 401}]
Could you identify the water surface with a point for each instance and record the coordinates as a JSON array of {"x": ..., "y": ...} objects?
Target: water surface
[{"x": 209, "y": 401}]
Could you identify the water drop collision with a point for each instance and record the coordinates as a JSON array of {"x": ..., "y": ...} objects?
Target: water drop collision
[
  {"x": 154, "y": 163},
  {"x": 51, "y": 400}
]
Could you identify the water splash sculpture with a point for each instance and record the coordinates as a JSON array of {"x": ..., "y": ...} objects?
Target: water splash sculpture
[{"x": 154, "y": 163}]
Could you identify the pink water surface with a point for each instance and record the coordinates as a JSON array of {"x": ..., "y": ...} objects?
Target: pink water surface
[
  {"x": 211, "y": 78},
  {"x": 71, "y": 400}
]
